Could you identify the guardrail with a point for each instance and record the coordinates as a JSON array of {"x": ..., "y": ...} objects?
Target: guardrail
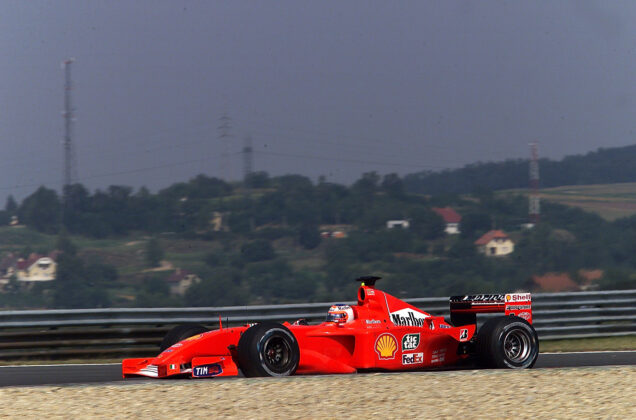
[{"x": 120, "y": 332}]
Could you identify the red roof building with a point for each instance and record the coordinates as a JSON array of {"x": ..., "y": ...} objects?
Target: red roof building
[
  {"x": 451, "y": 218},
  {"x": 555, "y": 282},
  {"x": 181, "y": 280},
  {"x": 495, "y": 244}
]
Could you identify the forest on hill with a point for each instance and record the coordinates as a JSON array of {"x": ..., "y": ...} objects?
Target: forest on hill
[
  {"x": 603, "y": 166},
  {"x": 263, "y": 241}
]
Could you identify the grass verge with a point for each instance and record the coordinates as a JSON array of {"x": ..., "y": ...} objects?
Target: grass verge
[{"x": 590, "y": 344}]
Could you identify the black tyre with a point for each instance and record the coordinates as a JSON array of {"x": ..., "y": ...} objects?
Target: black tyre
[
  {"x": 268, "y": 349},
  {"x": 507, "y": 342},
  {"x": 179, "y": 333}
]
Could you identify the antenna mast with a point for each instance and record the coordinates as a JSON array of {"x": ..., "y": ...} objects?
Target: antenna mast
[
  {"x": 225, "y": 124},
  {"x": 70, "y": 170},
  {"x": 534, "y": 204},
  {"x": 248, "y": 158}
]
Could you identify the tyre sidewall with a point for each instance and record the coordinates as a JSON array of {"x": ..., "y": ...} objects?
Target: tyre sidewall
[
  {"x": 505, "y": 326},
  {"x": 251, "y": 347},
  {"x": 286, "y": 335}
]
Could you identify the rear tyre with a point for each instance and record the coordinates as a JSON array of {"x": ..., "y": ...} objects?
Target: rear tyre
[
  {"x": 507, "y": 342},
  {"x": 268, "y": 349},
  {"x": 180, "y": 333}
]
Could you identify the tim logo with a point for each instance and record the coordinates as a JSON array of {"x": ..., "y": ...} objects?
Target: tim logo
[{"x": 205, "y": 371}]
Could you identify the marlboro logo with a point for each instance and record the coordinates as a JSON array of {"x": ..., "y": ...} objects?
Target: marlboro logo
[{"x": 408, "y": 318}]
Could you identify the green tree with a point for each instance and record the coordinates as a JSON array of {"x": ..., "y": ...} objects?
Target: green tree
[
  {"x": 257, "y": 180},
  {"x": 475, "y": 224},
  {"x": 154, "y": 252},
  {"x": 5, "y": 218},
  {"x": 221, "y": 286},
  {"x": 11, "y": 206},
  {"x": 41, "y": 210},
  {"x": 426, "y": 223},
  {"x": 73, "y": 288},
  {"x": 308, "y": 236},
  {"x": 258, "y": 250},
  {"x": 65, "y": 245},
  {"x": 392, "y": 184}
]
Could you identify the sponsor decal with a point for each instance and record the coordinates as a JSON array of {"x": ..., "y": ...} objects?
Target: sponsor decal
[
  {"x": 177, "y": 345},
  {"x": 386, "y": 346},
  {"x": 408, "y": 318},
  {"x": 172, "y": 367},
  {"x": 463, "y": 334},
  {"x": 518, "y": 307},
  {"x": 444, "y": 326},
  {"x": 168, "y": 350},
  {"x": 372, "y": 321},
  {"x": 524, "y": 315},
  {"x": 194, "y": 337},
  {"x": 518, "y": 297},
  {"x": 205, "y": 371},
  {"x": 410, "y": 341},
  {"x": 438, "y": 356},
  {"x": 412, "y": 358},
  {"x": 478, "y": 298},
  {"x": 370, "y": 292}
]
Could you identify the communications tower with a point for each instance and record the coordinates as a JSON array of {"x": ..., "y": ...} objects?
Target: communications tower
[
  {"x": 534, "y": 210},
  {"x": 225, "y": 124},
  {"x": 70, "y": 167}
]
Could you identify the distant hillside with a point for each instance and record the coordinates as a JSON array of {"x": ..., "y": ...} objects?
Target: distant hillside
[
  {"x": 604, "y": 166},
  {"x": 610, "y": 201}
]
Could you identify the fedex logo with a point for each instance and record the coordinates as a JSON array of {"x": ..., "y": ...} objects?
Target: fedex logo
[{"x": 412, "y": 358}]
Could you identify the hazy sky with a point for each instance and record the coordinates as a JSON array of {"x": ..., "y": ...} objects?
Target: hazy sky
[{"x": 323, "y": 87}]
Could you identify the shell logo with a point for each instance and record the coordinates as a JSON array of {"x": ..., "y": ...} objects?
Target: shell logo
[
  {"x": 508, "y": 298},
  {"x": 386, "y": 346}
]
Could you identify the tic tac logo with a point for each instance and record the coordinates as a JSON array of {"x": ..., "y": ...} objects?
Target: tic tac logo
[
  {"x": 205, "y": 371},
  {"x": 386, "y": 346},
  {"x": 410, "y": 341},
  {"x": 412, "y": 358}
]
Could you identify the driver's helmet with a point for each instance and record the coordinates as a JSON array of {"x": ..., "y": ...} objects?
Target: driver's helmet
[{"x": 340, "y": 314}]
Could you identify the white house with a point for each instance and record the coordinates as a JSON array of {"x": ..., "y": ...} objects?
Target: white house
[
  {"x": 452, "y": 219},
  {"x": 391, "y": 224},
  {"x": 495, "y": 244}
]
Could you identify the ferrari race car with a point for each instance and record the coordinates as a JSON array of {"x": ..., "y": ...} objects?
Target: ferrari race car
[{"x": 380, "y": 333}]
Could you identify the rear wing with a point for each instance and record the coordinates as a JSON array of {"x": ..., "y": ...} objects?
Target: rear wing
[{"x": 464, "y": 309}]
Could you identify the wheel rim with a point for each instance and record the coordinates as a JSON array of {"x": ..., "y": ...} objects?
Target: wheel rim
[
  {"x": 277, "y": 353},
  {"x": 517, "y": 346}
]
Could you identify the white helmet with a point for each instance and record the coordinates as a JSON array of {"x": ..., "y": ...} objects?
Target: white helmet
[{"x": 340, "y": 314}]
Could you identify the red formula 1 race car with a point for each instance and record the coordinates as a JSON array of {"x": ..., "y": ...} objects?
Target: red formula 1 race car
[{"x": 380, "y": 333}]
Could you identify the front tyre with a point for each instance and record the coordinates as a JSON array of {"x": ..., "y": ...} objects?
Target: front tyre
[
  {"x": 268, "y": 349},
  {"x": 508, "y": 342}
]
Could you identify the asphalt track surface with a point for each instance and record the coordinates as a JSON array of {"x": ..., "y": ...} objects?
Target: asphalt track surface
[{"x": 30, "y": 375}]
